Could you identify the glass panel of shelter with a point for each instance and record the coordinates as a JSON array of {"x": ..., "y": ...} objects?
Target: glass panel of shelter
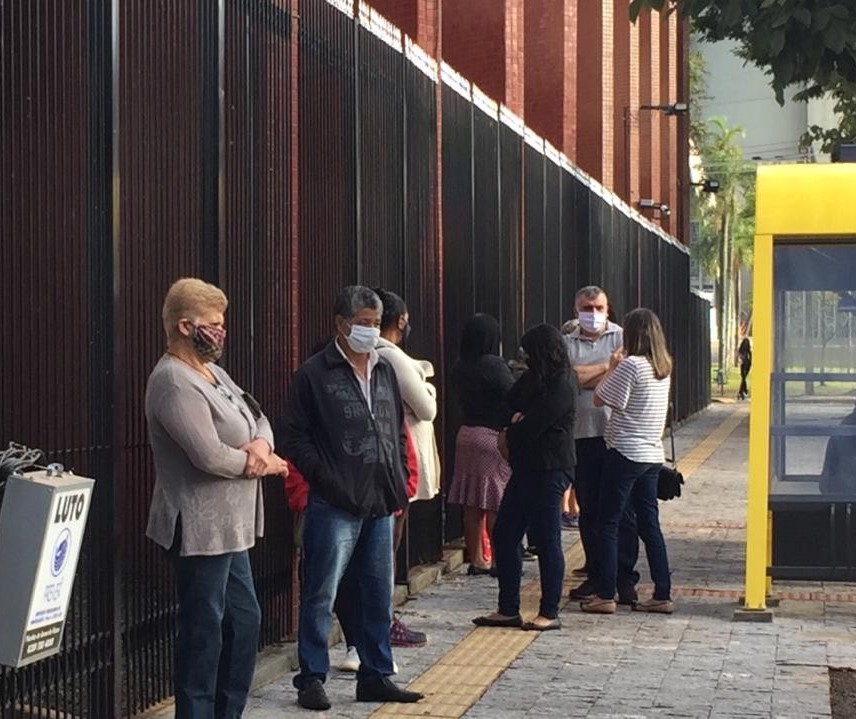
[{"x": 813, "y": 417}]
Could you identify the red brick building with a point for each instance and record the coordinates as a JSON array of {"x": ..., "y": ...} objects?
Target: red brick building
[{"x": 579, "y": 73}]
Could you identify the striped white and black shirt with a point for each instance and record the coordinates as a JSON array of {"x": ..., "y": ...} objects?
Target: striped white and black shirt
[{"x": 639, "y": 403}]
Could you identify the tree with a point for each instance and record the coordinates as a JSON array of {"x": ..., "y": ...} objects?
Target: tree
[
  {"x": 726, "y": 222},
  {"x": 830, "y": 139},
  {"x": 797, "y": 45},
  {"x": 810, "y": 48}
]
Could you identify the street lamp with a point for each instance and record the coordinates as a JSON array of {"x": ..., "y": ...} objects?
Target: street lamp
[
  {"x": 661, "y": 207},
  {"x": 707, "y": 185},
  {"x": 676, "y": 108}
]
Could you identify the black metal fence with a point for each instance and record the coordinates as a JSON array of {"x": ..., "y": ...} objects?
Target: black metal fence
[{"x": 143, "y": 141}]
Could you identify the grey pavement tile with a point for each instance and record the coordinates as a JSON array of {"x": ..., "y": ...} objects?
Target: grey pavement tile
[{"x": 694, "y": 664}]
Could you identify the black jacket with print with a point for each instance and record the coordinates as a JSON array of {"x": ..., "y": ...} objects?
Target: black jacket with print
[{"x": 354, "y": 456}]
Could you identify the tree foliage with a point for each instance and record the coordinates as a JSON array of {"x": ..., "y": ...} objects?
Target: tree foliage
[
  {"x": 829, "y": 139},
  {"x": 811, "y": 45}
]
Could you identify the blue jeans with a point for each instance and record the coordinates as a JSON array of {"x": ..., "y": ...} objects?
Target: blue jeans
[
  {"x": 532, "y": 500},
  {"x": 588, "y": 480},
  {"x": 218, "y": 635},
  {"x": 634, "y": 484},
  {"x": 333, "y": 538}
]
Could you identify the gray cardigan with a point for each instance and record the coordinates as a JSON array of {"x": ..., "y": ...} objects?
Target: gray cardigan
[{"x": 194, "y": 430}]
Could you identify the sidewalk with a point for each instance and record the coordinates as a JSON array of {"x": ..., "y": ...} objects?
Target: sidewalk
[{"x": 695, "y": 663}]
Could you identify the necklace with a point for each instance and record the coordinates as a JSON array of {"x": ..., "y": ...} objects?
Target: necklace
[{"x": 204, "y": 372}]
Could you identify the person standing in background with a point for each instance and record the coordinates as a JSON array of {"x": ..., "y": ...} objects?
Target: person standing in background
[
  {"x": 420, "y": 409},
  {"x": 744, "y": 359},
  {"x": 481, "y": 380},
  {"x": 636, "y": 387},
  {"x": 540, "y": 446},
  {"x": 590, "y": 348}
]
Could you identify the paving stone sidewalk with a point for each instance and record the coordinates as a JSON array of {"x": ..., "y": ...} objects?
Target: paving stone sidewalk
[{"x": 695, "y": 663}]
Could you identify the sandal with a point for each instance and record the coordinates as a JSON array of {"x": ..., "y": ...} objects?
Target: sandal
[{"x": 489, "y": 621}]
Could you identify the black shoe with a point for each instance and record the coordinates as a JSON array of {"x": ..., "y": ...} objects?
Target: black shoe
[
  {"x": 584, "y": 591},
  {"x": 313, "y": 696},
  {"x": 381, "y": 689},
  {"x": 627, "y": 596},
  {"x": 474, "y": 571}
]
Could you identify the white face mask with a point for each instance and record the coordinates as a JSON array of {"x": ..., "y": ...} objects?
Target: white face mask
[
  {"x": 592, "y": 321},
  {"x": 363, "y": 339}
]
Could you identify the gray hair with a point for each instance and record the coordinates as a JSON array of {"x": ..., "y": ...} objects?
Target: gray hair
[
  {"x": 589, "y": 292},
  {"x": 354, "y": 298}
]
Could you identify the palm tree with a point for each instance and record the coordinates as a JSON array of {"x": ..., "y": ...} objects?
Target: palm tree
[{"x": 726, "y": 222}]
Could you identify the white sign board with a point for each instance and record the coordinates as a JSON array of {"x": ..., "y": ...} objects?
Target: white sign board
[{"x": 42, "y": 522}]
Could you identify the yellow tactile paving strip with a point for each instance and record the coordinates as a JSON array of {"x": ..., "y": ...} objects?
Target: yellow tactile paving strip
[
  {"x": 698, "y": 455},
  {"x": 458, "y": 679}
]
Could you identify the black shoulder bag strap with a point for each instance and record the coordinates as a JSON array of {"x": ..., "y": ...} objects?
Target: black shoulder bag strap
[{"x": 674, "y": 457}]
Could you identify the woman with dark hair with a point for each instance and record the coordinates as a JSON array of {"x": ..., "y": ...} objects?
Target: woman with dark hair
[
  {"x": 636, "y": 388},
  {"x": 419, "y": 397},
  {"x": 540, "y": 445},
  {"x": 481, "y": 380}
]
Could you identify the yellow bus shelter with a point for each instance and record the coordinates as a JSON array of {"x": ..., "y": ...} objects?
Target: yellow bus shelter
[{"x": 801, "y": 513}]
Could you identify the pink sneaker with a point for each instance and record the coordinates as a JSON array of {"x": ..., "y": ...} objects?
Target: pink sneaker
[{"x": 401, "y": 636}]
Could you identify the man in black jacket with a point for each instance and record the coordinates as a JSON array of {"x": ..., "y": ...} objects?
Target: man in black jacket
[{"x": 344, "y": 431}]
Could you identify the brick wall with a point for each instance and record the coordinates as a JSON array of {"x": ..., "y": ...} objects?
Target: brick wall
[
  {"x": 608, "y": 100},
  {"x": 474, "y": 43},
  {"x": 640, "y": 119},
  {"x": 667, "y": 123},
  {"x": 545, "y": 68},
  {"x": 571, "y": 36},
  {"x": 515, "y": 46},
  {"x": 633, "y": 127},
  {"x": 590, "y": 96},
  {"x": 622, "y": 105},
  {"x": 652, "y": 116},
  {"x": 401, "y": 13},
  {"x": 671, "y": 171},
  {"x": 577, "y": 71}
]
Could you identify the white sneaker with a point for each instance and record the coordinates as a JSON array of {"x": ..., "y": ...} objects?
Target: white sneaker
[{"x": 351, "y": 662}]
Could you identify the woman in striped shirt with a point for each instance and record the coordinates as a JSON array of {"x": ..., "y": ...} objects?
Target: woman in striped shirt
[{"x": 637, "y": 389}]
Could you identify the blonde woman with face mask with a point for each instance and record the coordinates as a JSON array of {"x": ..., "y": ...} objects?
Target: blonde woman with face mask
[{"x": 211, "y": 444}]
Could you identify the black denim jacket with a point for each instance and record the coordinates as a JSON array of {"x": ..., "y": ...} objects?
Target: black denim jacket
[{"x": 354, "y": 456}]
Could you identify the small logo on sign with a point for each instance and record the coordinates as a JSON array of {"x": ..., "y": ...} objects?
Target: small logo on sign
[{"x": 61, "y": 551}]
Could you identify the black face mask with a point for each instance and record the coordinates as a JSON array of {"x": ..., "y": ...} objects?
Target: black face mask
[{"x": 405, "y": 333}]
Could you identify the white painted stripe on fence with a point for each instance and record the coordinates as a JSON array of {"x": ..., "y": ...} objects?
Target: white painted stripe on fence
[
  {"x": 343, "y": 6},
  {"x": 552, "y": 153},
  {"x": 455, "y": 80},
  {"x": 485, "y": 103},
  {"x": 533, "y": 139},
  {"x": 421, "y": 59},
  {"x": 380, "y": 27},
  {"x": 511, "y": 120}
]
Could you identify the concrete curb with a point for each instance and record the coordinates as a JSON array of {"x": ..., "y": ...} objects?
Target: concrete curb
[{"x": 276, "y": 661}]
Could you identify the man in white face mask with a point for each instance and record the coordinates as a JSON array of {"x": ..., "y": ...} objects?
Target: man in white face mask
[
  {"x": 344, "y": 430},
  {"x": 590, "y": 347}
]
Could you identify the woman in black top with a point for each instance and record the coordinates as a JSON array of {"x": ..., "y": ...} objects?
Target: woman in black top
[
  {"x": 744, "y": 357},
  {"x": 540, "y": 444},
  {"x": 481, "y": 380}
]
